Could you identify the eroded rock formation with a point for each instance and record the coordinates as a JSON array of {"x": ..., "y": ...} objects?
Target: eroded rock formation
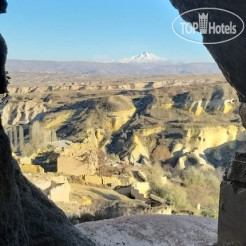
[
  {"x": 27, "y": 217},
  {"x": 163, "y": 123},
  {"x": 231, "y": 58}
]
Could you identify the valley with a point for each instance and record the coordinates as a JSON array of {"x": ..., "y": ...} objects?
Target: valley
[{"x": 94, "y": 137}]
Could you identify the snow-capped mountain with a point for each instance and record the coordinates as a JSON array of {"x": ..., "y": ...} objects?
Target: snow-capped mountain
[{"x": 144, "y": 57}]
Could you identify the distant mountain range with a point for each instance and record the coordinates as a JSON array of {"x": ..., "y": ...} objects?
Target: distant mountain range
[
  {"x": 143, "y": 64},
  {"x": 144, "y": 57}
]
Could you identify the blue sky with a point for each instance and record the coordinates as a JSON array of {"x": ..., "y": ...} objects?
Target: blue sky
[{"x": 94, "y": 30}]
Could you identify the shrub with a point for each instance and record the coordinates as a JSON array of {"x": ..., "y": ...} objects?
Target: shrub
[
  {"x": 202, "y": 187},
  {"x": 50, "y": 148},
  {"x": 154, "y": 174},
  {"x": 199, "y": 187},
  {"x": 194, "y": 176},
  {"x": 28, "y": 149},
  {"x": 174, "y": 195},
  {"x": 178, "y": 198},
  {"x": 210, "y": 213},
  {"x": 168, "y": 174}
]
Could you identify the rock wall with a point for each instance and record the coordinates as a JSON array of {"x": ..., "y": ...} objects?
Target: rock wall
[
  {"x": 79, "y": 159},
  {"x": 27, "y": 217},
  {"x": 3, "y": 54},
  {"x": 22, "y": 112},
  {"x": 231, "y": 58}
]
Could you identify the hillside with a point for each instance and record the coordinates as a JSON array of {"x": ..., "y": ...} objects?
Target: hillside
[
  {"x": 156, "y": 141},
  {"x": 149, "y": 138},
  {"x": 137, "y": 120}
]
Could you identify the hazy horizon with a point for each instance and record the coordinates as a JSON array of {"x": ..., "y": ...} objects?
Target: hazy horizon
[{"x": 112, "y": 61}]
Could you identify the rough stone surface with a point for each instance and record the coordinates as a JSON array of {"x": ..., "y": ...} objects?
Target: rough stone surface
[
  {"x": 232, "y": 214},
  {"x": 153, "y": 230},
  {"x": 27, "y": 216},
  {"x": 3, "y": 54},
  {"x": 242, "y": 112},
  {"x": 60, "y": 192},
  {"x": 231, "y": 58},
  {"x": 236, "y": 170},
  {"x": 78, "y": 159}
]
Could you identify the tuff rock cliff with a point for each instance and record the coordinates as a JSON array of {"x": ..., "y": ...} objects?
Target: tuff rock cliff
[
  {"x": 231, "y": 58},
  {"x": 27, "y": 217},
  {"x": 140, "y": 125}
]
